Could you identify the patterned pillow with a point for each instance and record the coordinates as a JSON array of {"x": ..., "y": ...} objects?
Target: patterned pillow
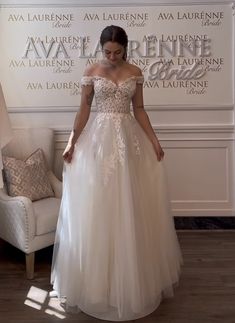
[{"x": 27, "y": 178}]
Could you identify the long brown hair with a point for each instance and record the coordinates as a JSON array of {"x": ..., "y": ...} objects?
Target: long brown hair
[{"x": 115, "y": 34}]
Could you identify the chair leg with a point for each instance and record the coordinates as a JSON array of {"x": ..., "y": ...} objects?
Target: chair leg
[{"x": 30, "y": 265}]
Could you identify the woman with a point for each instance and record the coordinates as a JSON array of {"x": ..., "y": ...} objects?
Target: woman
[{"x": 116, "y": 252}]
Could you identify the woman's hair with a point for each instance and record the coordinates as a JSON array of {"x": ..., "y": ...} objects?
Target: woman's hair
[{"x": 114, "y": 34}]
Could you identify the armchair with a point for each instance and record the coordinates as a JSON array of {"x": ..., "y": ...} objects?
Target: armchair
[{"x": 27, "y": 225}]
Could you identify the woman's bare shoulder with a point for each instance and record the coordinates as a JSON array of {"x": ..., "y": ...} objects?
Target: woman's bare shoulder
[
  {"x": 135, "y": 70},
  {"x": 91, "y": 69}
]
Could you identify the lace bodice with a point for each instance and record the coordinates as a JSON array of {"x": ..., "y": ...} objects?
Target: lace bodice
[
  {"x": 113, "y": 107},
  {"x": 112, "y": 97}
]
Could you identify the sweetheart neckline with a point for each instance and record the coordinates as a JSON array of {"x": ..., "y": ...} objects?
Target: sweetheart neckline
[{"x": 116, "y": 84}]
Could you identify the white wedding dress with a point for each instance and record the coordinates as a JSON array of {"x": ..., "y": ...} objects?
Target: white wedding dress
[{"x": 116, "y": 252}]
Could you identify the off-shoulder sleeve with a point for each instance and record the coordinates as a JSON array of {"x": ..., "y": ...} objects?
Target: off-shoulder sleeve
[
  {"x": 140, "y": 79},
  {"x": 87, "y": 80}
]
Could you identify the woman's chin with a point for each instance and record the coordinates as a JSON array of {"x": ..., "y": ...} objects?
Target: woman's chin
[{"x": 114, "y": 63}]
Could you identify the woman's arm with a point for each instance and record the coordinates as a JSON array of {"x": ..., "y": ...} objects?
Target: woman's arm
[
  {"x": 83, "y": 114},
  {"x": 143, "y": 119},
  {"x": 80, "y": 121}
]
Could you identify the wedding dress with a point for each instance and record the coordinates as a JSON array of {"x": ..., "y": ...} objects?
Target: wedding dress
[{"x": 116, "y": 252}]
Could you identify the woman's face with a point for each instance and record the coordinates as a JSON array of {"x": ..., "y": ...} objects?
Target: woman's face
[{"x": 113, "y": 52}]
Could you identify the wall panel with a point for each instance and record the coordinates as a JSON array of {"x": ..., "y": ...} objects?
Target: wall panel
[{"x": 198, "y": 138}]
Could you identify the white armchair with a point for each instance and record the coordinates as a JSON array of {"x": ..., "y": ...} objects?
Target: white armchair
[{"x": 28, "y": 225}]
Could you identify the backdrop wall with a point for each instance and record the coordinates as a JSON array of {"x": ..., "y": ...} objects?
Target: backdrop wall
[{"x": 186, "y": 52}]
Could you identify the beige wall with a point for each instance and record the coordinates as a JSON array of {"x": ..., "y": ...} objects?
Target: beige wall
[{"x": 199, "y": 146}]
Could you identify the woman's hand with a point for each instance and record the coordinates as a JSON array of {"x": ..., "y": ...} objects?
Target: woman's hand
[
  {"x": 68, "y": 153},
  {"x": 158, "y": 150}
]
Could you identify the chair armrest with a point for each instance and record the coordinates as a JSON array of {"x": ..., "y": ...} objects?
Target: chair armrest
[
  {"x": 18, "y": 225},
  {"x": 56, "y": 184}
]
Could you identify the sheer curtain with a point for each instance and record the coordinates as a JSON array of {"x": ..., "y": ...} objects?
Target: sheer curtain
[{"x": 5, "y": 130}]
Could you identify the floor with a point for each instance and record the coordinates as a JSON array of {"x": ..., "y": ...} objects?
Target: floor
[{"x": 206, "y": 292}]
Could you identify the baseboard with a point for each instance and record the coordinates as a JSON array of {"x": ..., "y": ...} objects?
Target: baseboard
[{"x": 204, "y": 223}]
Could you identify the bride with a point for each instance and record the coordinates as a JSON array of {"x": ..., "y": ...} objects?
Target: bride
[{"x": 116, "y": 252}]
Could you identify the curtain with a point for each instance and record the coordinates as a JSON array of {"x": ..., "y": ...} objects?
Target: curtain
[{"x": 5, "y": 130}]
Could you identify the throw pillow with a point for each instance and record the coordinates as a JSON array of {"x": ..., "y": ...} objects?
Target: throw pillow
[{"x": 27, "y": 178}]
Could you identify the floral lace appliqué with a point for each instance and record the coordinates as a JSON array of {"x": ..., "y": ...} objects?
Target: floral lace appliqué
[{"x": 113, "y": 104}]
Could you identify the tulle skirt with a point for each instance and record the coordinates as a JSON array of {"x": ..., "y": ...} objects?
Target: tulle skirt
[{"x": 116, "y": 252}]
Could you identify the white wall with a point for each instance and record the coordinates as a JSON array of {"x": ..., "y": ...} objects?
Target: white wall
[{"x": 198, "y": 142}]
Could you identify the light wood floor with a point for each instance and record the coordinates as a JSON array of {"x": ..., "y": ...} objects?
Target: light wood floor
[{"x": 206, "y": 293}]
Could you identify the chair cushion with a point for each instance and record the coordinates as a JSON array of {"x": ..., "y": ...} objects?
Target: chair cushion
[
  {"x": 46, "y": 212},
  {"x": 27, "y": 178}
]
